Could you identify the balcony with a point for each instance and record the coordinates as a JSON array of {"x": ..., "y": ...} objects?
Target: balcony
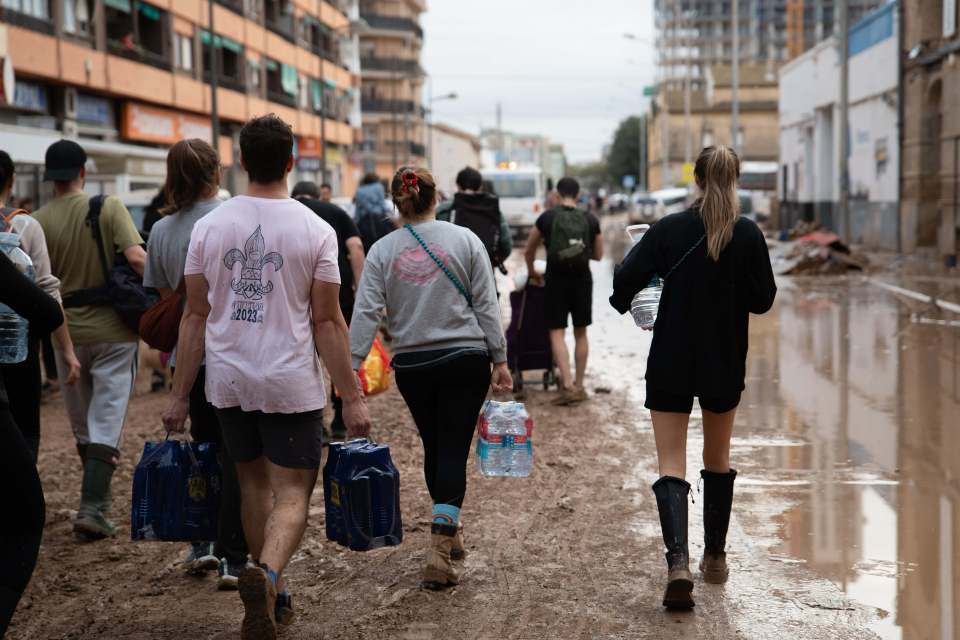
[
  {"x": 379, "y": 105},
  {"x": 139, "y": 54},
  {"x": 282, "y": 97},
  {"x": 227, "y": 82},
  {"x": 26, "y": 21},
  {"x": 391, "y": 65},
  {"x": 391, "y": 23},
  {"x": 234, "y": 5},
  {"x": 282, "y": 25}
]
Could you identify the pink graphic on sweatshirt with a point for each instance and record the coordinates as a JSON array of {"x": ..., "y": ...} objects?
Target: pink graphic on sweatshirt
[{"x": 416, "y": 267}]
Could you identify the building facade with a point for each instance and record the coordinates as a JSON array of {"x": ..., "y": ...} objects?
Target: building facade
[
  {"x": 127, "y": 78},
  {"x": 450, "y": 151},
  {"x": 931, "y": 128},
  {"x": 810, "y": 133},
  {"x": 673, "y": 141},
  {"x": 502, "y": 148},
  {"x": 394, "y": 126}
]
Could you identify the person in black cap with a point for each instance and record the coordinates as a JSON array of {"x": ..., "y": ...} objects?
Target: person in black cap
[{"x": 106, "y": 347}]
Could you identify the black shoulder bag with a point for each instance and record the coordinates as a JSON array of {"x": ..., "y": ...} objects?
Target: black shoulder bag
[{"x": 123, "y": 287}]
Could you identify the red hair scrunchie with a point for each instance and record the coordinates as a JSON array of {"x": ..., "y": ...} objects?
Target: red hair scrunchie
[{"x": 411, "y": 182}]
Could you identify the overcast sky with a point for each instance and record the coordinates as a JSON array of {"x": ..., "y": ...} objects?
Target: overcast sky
[{"x": 561, "y": 68}]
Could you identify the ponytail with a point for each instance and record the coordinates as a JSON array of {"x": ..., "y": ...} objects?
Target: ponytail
[{"x": 717, "y": 171}]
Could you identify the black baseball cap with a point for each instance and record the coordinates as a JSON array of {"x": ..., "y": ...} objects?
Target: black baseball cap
[{"x": 64, "y": 160}]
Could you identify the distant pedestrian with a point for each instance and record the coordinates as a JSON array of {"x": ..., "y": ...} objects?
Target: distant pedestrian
[
  {"x": 372, "y": 214},
  {"x": 435, "y": 282},
  {"x": 23, "y": 503},
  {"x": 24, "y": 382},
  {"x": 717, "y": 272},
  {"x": 572, "y": 239},
  {"x": 326, "y": 192},
  {"x": 350, "y": 258},
  {"x": 480, "y": 212},
  {"x": 262, "y": 287},
  {"x": 193, "y": 180},
  {"x": 106, "y": 347}
]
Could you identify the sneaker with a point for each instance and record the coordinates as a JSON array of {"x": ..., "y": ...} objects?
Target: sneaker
[
  {"x": 228, "y": 576},
  {"x": 259, "y": 595},
  {"x": 200, "y": 559},
  {"x": 283, "y": 610}
]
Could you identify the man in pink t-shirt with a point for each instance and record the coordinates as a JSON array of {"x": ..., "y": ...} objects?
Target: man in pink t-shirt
[{"x": 263, "y": 285}]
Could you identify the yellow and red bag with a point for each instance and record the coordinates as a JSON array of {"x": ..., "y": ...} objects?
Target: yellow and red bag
[{"x": 375, "y": 371}]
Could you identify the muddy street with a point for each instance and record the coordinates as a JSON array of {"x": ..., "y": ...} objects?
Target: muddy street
[{"x": 843, "y": 524}]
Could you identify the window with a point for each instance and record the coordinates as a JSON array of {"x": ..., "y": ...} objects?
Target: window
[
  {"x": 278, "y": 15},
  {"x": 303, "y": 93},
  {"x": 183, "y": 51},
  {"x": 39, "y": 9},
  {"x": 138, "y": 31},
  {"x": 282, "y": 83},
  {"x": 253, "y": 9},
  {"x": 229, "y": 60},
  {"x": 253, "y": 76},
  {"x": 77, "y": 17}
]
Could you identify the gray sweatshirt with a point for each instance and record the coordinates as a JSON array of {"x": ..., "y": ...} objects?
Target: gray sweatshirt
[{"x": 425, "y": 310}]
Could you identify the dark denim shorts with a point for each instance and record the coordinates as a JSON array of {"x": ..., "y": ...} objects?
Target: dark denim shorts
[{"x": 290, "y": 440}]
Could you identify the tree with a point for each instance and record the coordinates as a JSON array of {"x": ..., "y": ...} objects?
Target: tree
[
  {"x": 592, "y": 175},
  {"x": 624, "y": 157}
]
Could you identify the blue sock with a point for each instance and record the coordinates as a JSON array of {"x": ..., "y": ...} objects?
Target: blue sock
[{"x": 446, "y": 514}]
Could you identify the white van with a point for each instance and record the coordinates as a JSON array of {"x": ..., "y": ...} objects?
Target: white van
[{"x": 521, "y": 193}]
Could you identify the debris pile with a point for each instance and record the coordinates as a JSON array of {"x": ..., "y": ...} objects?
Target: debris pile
[{"x": 807, "y": 249}]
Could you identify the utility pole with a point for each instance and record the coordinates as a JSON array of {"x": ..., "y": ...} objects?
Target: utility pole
[
  {"x": 214, "y": 78},
  {"x": 735, "y": 77},
  {"x": 393, "y": 117},
  {"x": 499, "y": 132},
  {"x": 687, "y": 141},
  {"x": 641, "y": 161},
  {"x": 842, "y": 20}
]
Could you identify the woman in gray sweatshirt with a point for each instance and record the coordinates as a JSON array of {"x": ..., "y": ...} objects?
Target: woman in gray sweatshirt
[{"x": 435, "y": 282}]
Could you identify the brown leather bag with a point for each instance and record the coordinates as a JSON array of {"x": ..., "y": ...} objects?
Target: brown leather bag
[{"x": 160, "y": 324}]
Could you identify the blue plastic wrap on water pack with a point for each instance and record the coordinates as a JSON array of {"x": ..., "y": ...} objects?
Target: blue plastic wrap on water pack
[
  {"x": 176, "y": 492},
  {"x": 362, "y": 496}
]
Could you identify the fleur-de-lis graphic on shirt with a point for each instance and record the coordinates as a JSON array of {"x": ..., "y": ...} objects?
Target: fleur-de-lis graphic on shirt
[{"x": 253, "y": 260}]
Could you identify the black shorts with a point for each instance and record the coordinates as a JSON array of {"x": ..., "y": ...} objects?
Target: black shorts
[
  {"x": 290, "y": 440},
  {"x": 569, "y": 297},
  {"x": 660, "y": 400}
]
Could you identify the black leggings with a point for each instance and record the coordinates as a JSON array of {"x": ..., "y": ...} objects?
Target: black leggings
[
  {"x": 24, "y": 389},
  {"x": 24, "y": 515},
  {"x": 445, "y": 401}
]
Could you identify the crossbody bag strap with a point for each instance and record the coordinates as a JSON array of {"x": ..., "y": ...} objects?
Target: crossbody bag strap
[
  {"x": 685, "y": 256},
  {"x": 93, "y": 219},
  {"x": 453, "y": 278}
]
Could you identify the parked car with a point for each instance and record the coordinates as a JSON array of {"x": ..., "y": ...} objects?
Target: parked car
[{"x": 653, "y": 206}]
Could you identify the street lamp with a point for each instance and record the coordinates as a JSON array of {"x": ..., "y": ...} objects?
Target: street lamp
[{"x": 430, "y": 100}]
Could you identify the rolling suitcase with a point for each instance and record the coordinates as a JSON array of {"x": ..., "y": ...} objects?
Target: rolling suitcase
[{"x": 528, "y": 340}]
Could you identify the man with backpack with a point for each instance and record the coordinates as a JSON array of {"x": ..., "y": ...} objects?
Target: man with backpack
[
  {"x": 480, "y": 212},
  {"x": 572, "y": 238},
  {"x": 372, "y": 213},
  {"x": 105, "y": 345}
]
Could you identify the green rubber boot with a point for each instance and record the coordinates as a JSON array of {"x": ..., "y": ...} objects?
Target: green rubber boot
[{"x": 95, "y": 497}]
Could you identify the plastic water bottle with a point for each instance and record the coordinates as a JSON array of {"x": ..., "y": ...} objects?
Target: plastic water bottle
[
  {"x": 505, "y": 446},
  {"x": 14, "y": 328},
  {"x": 645, "y": 304}
]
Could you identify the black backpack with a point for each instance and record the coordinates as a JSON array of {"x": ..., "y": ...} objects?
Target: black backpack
[
  {"x": 481, "y": 214},
  {"x": 372, "y": 227},
  {"x": 569, "y": 250},
  {"x": 123, "y": 287}
]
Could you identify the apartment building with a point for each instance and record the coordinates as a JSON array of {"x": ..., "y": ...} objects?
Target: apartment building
[
  {"x": 127, "y": 78},
  {"x": 394, "y": 128}
]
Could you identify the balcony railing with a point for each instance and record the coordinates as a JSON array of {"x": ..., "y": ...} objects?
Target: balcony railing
[
  {"x": 26, "y": 21},
  {"x": 282, "y": 26},
  {"x": 394, "y": 65},
  {"x": 378, "y": 105},
  {"x": 234, "y": 5},
  {"x": 227, "y": 82},
  {"x": 391, "y": 23},
  {"x": 281, "y": 97},
  {"x": 139, "y": 54}
]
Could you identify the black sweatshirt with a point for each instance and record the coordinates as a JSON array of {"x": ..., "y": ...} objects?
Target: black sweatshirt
[
  {"x": 29, "y": 301},
  {"x": 700, "y": 338}
]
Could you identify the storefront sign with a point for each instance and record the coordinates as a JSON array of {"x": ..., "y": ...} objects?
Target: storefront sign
[
  {"x": 308, "y": 147},
  {"x": 94, "y": 110},
  {"x": 163, "y": 126},
  {"x": 30, "y": 96},
  {"x": 308, "y": 164}
]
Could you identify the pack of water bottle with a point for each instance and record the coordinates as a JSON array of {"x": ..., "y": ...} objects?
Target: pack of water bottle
[
  {"x": 13, "y": 327},
  {"x": 505, "y": 440},
  {"x": 646, "y": 303}
]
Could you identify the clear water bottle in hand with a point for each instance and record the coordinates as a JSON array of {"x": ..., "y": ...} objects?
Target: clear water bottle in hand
[
  {"x": 645, "y": 304},
  {"x": 504, "y": 446},
  {"x": 13, "y": 327}
]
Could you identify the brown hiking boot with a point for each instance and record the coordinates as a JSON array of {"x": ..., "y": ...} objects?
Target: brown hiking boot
[
  {"x": 440, "y": 572},
  {"x": 259, "y": 597},
  {"x": 714, "y": 568},
  {"x": 458, "y": 551},
  {"x": 566, "y": 398}
]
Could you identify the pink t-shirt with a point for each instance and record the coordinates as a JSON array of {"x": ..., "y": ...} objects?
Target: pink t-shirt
[{"x": 260, "y": 258}]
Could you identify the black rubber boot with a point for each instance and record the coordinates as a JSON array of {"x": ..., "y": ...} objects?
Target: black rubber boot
[
  {"x": 717, "y": 502},
  {"x": 672, "y": 494},
  {"x": 95, "y": 496}
]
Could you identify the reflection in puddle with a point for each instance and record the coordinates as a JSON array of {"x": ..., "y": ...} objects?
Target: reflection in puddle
[{"x": 859, "y": 406}]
